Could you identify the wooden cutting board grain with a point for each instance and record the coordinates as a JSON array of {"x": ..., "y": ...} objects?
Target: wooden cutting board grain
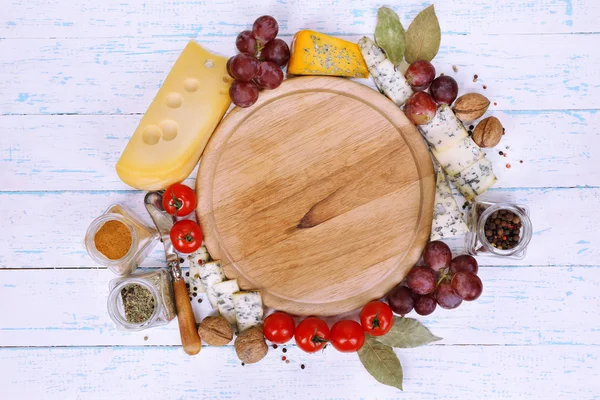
[{"x": 320, "y": 195}]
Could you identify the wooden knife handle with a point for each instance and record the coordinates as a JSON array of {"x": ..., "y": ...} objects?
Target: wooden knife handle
[{"x": 185, "y": 316}]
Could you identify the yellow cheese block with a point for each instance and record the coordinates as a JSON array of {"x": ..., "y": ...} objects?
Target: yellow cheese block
[
  {"x": 171, "y": 137},
  {"x": 314, "y": 53}
]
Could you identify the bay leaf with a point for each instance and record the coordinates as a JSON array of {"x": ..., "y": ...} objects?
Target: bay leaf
[
  {"x": 407, "y": 333},
  {"x": 381, "y": 362},
  {"x": 390, "y": 35},
  {"x": 423, "y": 37}
]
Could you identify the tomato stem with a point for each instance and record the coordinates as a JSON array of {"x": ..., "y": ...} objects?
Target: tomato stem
[
  {"x": 178, "y": 204},
  {"x": 318, "y": 339}
]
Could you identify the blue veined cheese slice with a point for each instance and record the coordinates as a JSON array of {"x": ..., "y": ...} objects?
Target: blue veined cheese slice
[
  {"x": 196, "y": 260},
  {"x": 447, "y": 218},
  {"x": 459, "y": 157},
  {"x": 224, "y": 292},
  {"x": 444, "y": 131},
  {"x": 388, "y": 80},
  {"x": 248, "y": 309},
  {"x": 211, "y": 273},
  {"x": 474, "y": 180}
]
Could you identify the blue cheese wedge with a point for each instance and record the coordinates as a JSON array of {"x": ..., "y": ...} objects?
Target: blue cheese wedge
[
  {"x": 447, "y": 218},
  {"x": 444, "y": 131},
  {"x": 211, "y": 273},
  {"x": 195, "y": 261},
  {"x": 388, "y": 79},
  {"x": 224, "y": 292},
  {"x": 458, "y": 158},
  {"x": 248, "y": 309},
  {"x": 475, "y": 180}
]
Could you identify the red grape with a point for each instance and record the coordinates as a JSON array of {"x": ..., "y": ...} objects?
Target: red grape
[
  {"x": 446, "y": 296},
  {"x": 265, "y": 28},
  {"x": 228, "y": 66},
  {"x": 425, "y": 305},
  {"x": 401, "y": 300},
  {"x": 419, "y": 75},
  {"x": 277, "y": 51},
  {"x": 421, "y": 280},
  {"x": 444, "y": 89},
  {"x": 464, "y": 263},
  {"x": 243, "y": 94},
  {"x": 246, "y": 43},
  {"x": 420, "y": 108},
  {"x": 467, "y": 285},
  {"x": 269, "y": 75},
  {"x": 244, "y": 67},
  {"x": 437, "y": 255}
]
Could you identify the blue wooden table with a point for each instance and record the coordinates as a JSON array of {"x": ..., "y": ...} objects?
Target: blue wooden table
[{"x": 76, "y": 77}]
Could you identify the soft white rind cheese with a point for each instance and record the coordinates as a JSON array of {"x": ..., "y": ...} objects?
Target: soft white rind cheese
[
  {"x": 224, "y": 292},
  {"x": 248, "y": 309},
  {"x": 458, "y": 158},
  {"x": 211, "y": 273},
  {"x": 447, "y": 218},
  {"x": 390, "y": 81},
  {"x": 444, "y": 131},
  {"x": 474, "y": 180}
]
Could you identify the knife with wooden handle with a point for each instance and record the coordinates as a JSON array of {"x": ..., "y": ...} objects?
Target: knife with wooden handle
[{"x": 185, "y": 316}]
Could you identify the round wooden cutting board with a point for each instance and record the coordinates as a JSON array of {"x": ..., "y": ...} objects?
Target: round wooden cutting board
[{"x": 320, "y": 195}]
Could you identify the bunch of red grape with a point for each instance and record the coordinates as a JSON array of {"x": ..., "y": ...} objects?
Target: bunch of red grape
[
  {"x": 258, "y": 66},
  {"x": 444, "y": 281},
  {"x": 421, "y": 106}
]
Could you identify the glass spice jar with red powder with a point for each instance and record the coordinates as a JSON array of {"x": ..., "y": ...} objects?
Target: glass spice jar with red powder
[{"x": 498, "y": 229}]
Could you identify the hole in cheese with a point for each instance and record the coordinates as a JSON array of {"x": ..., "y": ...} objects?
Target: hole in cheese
[
  {"x": 191, "y": 84},
  {"x": 169, "y": 129},
  {"x": 151, "y": 135},
  {"x": 209, "y": 64},
  {"x": 174, "y": 100}
]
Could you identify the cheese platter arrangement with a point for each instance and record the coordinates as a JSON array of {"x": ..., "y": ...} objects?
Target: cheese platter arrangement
[{"x": 317, "y": 199}]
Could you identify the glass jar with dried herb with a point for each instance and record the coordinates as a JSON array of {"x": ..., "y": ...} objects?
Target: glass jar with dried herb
[
  {"x": 141, "y": 301},
  {"x": 119, "y": 240}
]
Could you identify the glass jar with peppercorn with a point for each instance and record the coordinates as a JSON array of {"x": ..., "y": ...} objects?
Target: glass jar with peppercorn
[
  {"x": 498, "y": 229},
  {"x": 141, "y": 301}
]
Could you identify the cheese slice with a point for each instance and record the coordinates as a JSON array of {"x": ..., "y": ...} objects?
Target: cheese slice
[
  {"x": 224, "y": 292},
  {"x": 458, "y": 158},
  {"x": 447, "y": 218},
  {"x": 171, "y": 136},
  {"x": 387, "y": 78},
  {"x": 211, "y": 273},
  {"x": 444, "y": 131},
  {"x": 195, "y": 261},
  {"x": 314, "y": 53},
  {"x": 475, "y": 180},
  {"x": 248, "y": 309}
]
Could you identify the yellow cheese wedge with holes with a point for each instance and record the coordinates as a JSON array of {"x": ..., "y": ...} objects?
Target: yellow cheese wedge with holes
[{"x": 171, "y": 137}]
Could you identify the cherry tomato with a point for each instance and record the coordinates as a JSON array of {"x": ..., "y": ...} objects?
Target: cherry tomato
[
  {"x": 179, "y": 200},
  {"x": 186, "y": 236},
  {"x": 347, "y": 336},
  {"x": 279, "y": 327},
  {"x": 312, "y": 334},
  {"x": 376, "y": 318}
]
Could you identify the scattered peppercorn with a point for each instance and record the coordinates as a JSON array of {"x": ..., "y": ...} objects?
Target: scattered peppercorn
[
  {"x": 470, "y": 133},
  {"x": 501, "y": 152},
  {"x": 453, "y": 69},
  {"x": 284, "y": 350},
  {"x": 194, "y": 294},
  {"x": 471, "y": 127},
  {"x": 243, "y": 364},
  {"x": 195, "y": 288},
  {"x": 199, "y": 300},
  {"x": 274, "y": 346},
  {"x": 507, "y": 165},
  {"x": 181, "y": 260},
  {"x": 283, "y": 358},
  {"x": 287, "y": 361},
  {"x": 145, "y": 337},
  {"x": 495, "y": 103},
  {"x": 521, "y": 161},
  {"x": 302, "y": 366},
  {"x": 475, "y": 78},
  {"x": 187, "y": 285},
  {"x": 484, "y": 87}
]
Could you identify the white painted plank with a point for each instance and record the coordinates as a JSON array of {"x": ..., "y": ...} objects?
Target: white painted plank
[
  {"x": 99, "y": 76},
  {"x": 433, "y": 372},
  {"x": 115, "y": 18},
  {"x": 519, "y": 306},
  {"x": 557, "y": 148},
  {"x": 46, "y": 229}
]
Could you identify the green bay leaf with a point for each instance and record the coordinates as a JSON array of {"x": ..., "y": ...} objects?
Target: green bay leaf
[
  {"x": 381, "y": 362},
  {"x": 390, "y": 35},
  {"x": 407, "y": 333},
  {"x": 423, "y": 37}
]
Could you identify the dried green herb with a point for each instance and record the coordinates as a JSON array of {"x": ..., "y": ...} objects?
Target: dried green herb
[
  {"x": 381, "y": 362},
  {"x": 390, "y": 35},
  {"x": 138, "y": 303},
  {"x": 407, "y": 333},
  {"x": 423, "y": 36}
]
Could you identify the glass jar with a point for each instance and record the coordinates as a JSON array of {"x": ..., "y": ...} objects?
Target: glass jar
[
  {"x": 158, "y": 283},
  {"x": 143, "y": 240},
  {"x": 476, "y": 241}
]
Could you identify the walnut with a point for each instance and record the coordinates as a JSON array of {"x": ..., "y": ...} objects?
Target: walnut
[
  {"x": 215, "y": 331},
  {"x": 250, "y": 345},
  {"x": 488, "y": 132},
  {"x": 470, "y": 106}
]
